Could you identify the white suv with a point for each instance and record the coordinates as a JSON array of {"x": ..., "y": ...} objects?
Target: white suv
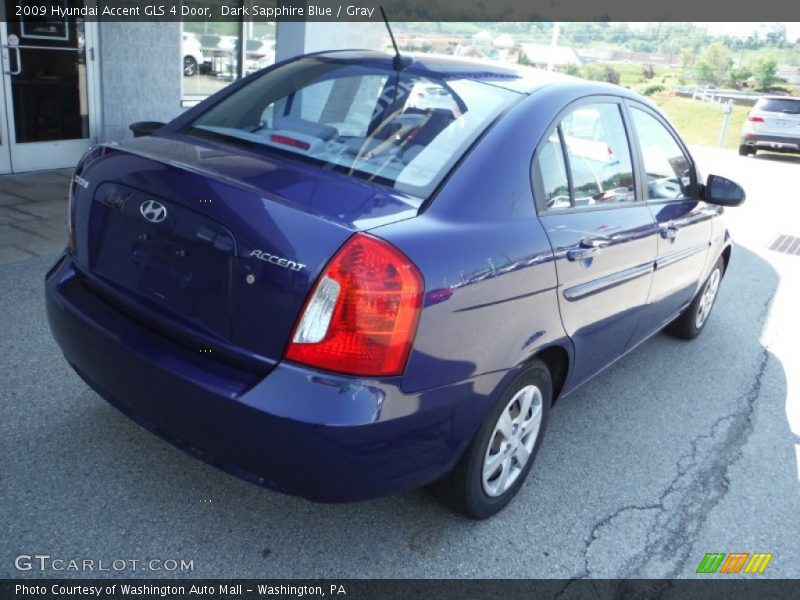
[
  {"x": 192, "y": 55},
  {"x": 773, "y": 124}
]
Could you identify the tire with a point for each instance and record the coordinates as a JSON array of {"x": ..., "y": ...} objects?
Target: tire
[
  {"x": 189, "y": 66},
  {"x": 691, "y": 321},
  {"x": 744, "y": 150},
  {"x": 465, "y": 489}
]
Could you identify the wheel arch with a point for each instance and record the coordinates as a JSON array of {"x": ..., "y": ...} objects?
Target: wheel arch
[
  {"x": 558, "y": 362},
  {"x": 726, "y": 256}
]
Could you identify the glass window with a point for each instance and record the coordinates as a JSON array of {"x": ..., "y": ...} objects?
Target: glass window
[
  {"x": 667, "y": 167},
  {"x": 404, "y": 130},
  {"x": 212, "y": 56},
  {"x": 599, "y": 155},
  {"x": 553, "y": 173},
  {"x": 784, "y": 105}
]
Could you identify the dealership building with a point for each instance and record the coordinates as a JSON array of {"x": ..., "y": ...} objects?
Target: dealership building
[{"x": 70, "y": 83}]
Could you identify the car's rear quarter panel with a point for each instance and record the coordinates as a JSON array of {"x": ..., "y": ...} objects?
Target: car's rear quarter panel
[{"x": 480, "y": 238}]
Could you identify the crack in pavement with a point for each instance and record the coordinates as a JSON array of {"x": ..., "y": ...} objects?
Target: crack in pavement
[{"x": 699, "y": 485}]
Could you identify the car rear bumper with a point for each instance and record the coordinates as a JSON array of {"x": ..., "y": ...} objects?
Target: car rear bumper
[
  {"x": 778, "y": 142},
  {"x": 324, "y": 437}
]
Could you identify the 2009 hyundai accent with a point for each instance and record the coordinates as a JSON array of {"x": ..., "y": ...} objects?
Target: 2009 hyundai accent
[{"x": 324, "y": 286}]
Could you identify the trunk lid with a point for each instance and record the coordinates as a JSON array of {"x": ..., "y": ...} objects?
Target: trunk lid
[
  {"x": 781, "y": 117},
  {"x": 213, "y": 245}
]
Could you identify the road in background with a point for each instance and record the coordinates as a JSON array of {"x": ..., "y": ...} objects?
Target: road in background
[{"x": 677, "y": 450}]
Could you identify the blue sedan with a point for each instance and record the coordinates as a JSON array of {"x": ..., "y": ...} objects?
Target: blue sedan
[{"x": 328, "y": 283}]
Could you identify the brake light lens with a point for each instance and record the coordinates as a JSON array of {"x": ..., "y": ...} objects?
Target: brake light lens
[
  {"x": 362, "y": 314},
  {"x": 753, "y": 119},
  {"x": 289, "y": 141}
]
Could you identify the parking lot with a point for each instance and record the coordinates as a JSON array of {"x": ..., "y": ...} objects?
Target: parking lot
[{"x": 677, "y": 450}]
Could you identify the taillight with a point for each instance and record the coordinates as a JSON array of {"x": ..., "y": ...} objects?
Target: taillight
[
  {"x": 362, "y": 314},
  {"x": 753, "y": 119}
]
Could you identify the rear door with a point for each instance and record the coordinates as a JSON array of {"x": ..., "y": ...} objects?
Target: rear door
[
  {"x": 602, "y": 233},
  {"x": 669, "y": 184}
]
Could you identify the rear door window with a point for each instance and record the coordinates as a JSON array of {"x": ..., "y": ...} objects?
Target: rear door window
[
  {"x": 552, "y": 171},
  {"x": 598, "y": 159}
]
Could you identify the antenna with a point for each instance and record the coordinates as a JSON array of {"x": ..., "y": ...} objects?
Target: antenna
[{"x": 398, "y": 62}]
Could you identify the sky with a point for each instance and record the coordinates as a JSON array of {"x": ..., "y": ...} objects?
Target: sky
[
  {"x": 740, "y": 29},
  {"x": 745, "y": 29}
]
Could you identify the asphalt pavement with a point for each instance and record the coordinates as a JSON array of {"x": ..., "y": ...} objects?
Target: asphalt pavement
[{"x": 679, "y": 449}]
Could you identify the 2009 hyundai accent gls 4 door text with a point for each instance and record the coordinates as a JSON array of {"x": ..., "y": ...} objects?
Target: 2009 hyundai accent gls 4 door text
[{"x": 324, "y": 286}]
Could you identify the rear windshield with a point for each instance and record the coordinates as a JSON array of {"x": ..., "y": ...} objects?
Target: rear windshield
[
  {"x": 779, "y": 105},
  {"x": 404, "y": 130}
]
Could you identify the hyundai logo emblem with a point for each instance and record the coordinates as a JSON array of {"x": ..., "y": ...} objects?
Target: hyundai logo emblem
[{"x": 153, "y": 211}]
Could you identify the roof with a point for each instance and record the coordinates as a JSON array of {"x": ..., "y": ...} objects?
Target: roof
[{"x": 514, "y": 77}]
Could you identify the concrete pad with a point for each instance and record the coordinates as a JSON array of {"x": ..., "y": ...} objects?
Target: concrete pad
[
  {"x": 7, "y": 199},
  {"x": 9, "y": 215},
  {"x": 47, "y": 209},
  {"x": 49, "y": 247},
  {"x": 11, "y": 235},
  {"x": 11, "y": 255},
  {"x": 64, "y": 172},
  {"x": 37, "y": 193},
  {"x": 46, "y": 228},
  {"x": 35, "y": 178}
]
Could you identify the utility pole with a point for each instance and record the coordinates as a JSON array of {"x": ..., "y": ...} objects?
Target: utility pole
[
  {"x": 724, "y": 131},
  {"x": 553, "y": 45}
]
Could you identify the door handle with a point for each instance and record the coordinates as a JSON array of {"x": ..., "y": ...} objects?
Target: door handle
[
  {"x": 586, "y": 249},
  {"x": 18, "y": 69},
  {"x": 668, "y": 232}
]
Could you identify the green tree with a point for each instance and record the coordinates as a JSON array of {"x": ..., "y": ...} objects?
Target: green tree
[
  {"x": 571, "y": 69},
  {"x": 714, "y": 64},
  {"x": 594, "y": 71},
  {"x": 737, "y": 75},
  {"x": 776, "y": 35},
  {"x": 765, "y": 71},
  {"x": 611, "y": 75},
  {"x": 686, "y": 61}
]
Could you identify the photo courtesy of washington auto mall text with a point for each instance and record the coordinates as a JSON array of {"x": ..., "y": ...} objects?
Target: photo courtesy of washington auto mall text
[{"x": 218, "y": 590}]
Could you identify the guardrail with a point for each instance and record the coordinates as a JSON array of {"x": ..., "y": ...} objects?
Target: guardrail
[
  {"x": 721, "y": 97},
  {"x": 725, "y": 100}
]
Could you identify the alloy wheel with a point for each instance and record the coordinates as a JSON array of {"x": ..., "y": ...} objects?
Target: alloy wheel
[
  {"x": 511, "y": 443},
  {"x": 707, "y": 300}
]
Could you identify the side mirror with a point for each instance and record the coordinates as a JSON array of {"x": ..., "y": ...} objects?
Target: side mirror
[
  {"x": 142, "y": 128},
  {"x": 723, "y": 192}
]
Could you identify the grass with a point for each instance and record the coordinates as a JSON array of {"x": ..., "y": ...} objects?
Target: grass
[{"x": 699, "y": 123}]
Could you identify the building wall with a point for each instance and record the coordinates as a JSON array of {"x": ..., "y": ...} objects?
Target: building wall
[
  {"x": 293, "y": 39},
  {"x": 140, "y": 75}
]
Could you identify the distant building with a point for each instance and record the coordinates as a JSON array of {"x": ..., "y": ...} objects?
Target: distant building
[
  {"x": 790, "y": 74},
  {"x": 432, "y": 42},
  {"x": 625, "y": 56},
  {"x": 483, "y": 45},
  {"x": 504, "y": 41},
  {"x": 542, "y": 55}
]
